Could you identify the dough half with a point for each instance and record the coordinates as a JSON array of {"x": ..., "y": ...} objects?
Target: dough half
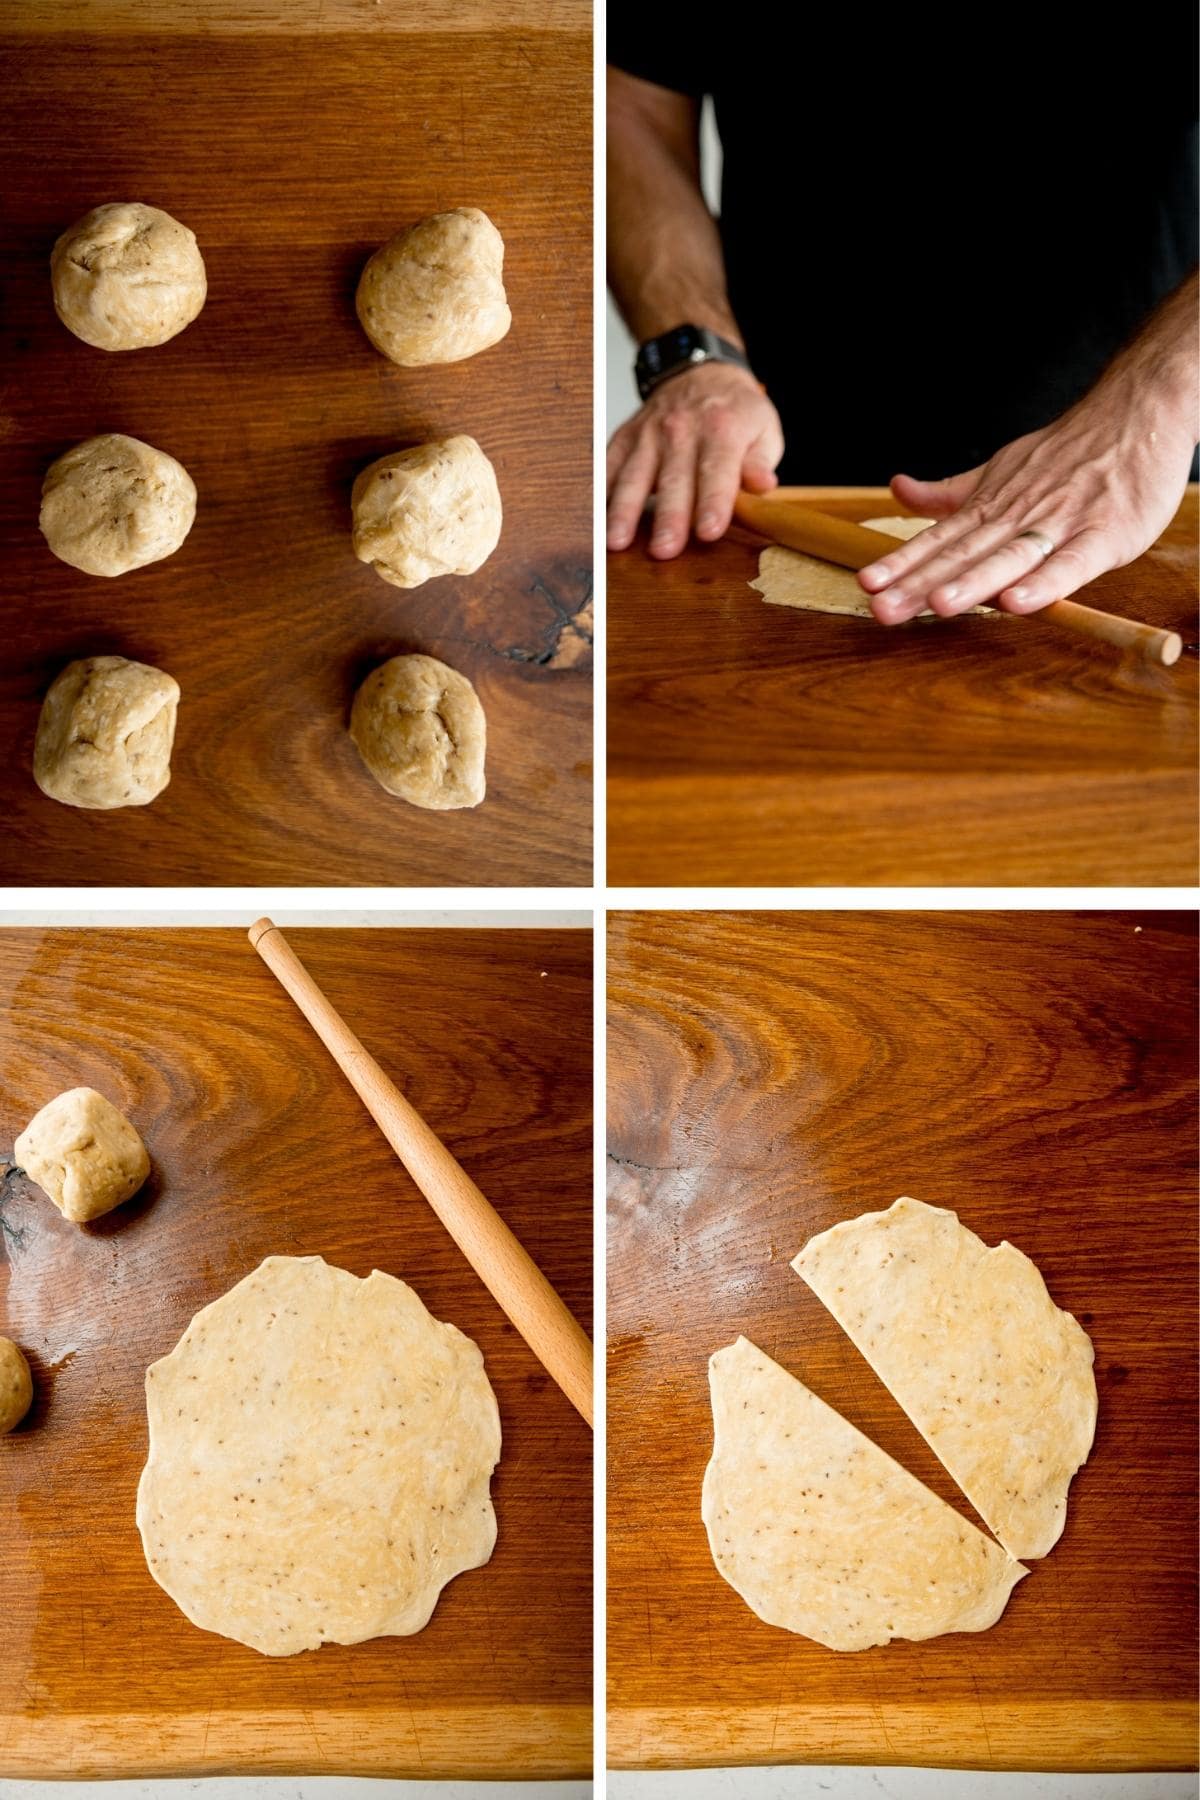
[
  {"x": 790, "y": 578},
  {"x": 996, "y": 1378},
  {"x": 820, "y": 1531},
  {"x": 321, "y": 1452}
]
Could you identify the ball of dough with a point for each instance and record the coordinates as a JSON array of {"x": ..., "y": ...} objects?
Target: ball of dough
[
  {"x": 16, "y": 1386},
  {"x": 104, "y": 738},
  {"x": 430, "y": 511},
  {"x": 113, "y": 504},
  {"x": 84, "y": 1153},
  {"x": 435, "y": 293},
  {"x": 127, "y": 276},
  {"x": 420, "y": 729}
]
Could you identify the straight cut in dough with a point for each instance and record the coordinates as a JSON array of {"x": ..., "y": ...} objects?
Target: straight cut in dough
[
  {"x": 321, "y": 1452},
  {"x": 819, "y": 1530},
  {"x": 996, "y": 1378},
  {"x": 790, "y": 578}
]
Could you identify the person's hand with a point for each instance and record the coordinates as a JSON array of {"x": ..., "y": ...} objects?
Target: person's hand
[
  {"x": 699, "y": 438},
  {"x": 1095, "y": 488}
]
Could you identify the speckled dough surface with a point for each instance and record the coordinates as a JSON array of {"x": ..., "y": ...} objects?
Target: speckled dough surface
[
  {"x": 790, "y": 578},
  {"x": 435, "y": 293},
  {"x": 321, "y": 1452},
  {"x": 420, "y": 729},
  {"x": 996, "y": 1378},
  {"x": 432, "y": 510},
  {"x": 127, "y": 276},
  {"x": 112, "y": 504},
  {"x": 84, "y": 1153},
  {"x": 105, "y": 733},
  {"x": 822, "y": 1533}
]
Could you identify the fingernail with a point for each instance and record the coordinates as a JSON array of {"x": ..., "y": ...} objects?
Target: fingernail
[
  {"x": 950, "y": 594},
  {"x": 896, "y": 597},
  {"x": 1018, "y": 594},
  {"x": 878, "y": 572},
  {"x": 707, "y": 521}
]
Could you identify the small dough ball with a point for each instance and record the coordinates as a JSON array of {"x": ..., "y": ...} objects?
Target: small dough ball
[
  {"x": 435, "y": 293},
  {"x": 16, "y": 1386},
  {"x": 420, "y": 729},
  {"x": 127, "y": 276},
  {"x": 104, "y": 738},
  {"x": 113, "y": 504},
  {"x": 84, "y": 1153},
  {"x": 430, "y": 511}
]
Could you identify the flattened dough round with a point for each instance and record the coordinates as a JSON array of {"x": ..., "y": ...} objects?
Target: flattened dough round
[
  {"x": 435, "y": 293},
  {"x": 432, "y": 510},
  {"x": 321, "y": 1452},
  {"x": 112, "y": 504},
  {"x": 127, "y": 276},
  {"x": 420, "y": 729},
  {"x": 790, "y": 578},
  {"x": 105, "y": 733},
  {"x": 822, "y": 1533}
]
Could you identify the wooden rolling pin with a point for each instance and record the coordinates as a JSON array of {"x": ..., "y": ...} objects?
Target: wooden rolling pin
[
  {"x": 787, "y": 521},
  {"x": 505, "y": 1268}
]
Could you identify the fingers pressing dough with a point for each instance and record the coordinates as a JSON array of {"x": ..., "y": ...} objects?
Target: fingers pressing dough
[
  {"x": 83, "y": 1153},
  {"x": 105, "y": 733},
  {"x": 433, "y": 510},
  {"x": 420, "y": 729},
  {"x": 113, "y": 504},
  {"x": 16, "y": 1386},
  {"x": 127, "y": 276},
  {"x": 435, "y": 293}
]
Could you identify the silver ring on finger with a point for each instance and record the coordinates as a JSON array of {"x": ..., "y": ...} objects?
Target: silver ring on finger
[{"x": 1045, "y": 544}]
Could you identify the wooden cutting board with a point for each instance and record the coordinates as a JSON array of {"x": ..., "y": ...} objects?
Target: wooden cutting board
[
  {"x": 771, "y": 1074},
  {"x": 753, "y": 745},
  {"x": 259, "y": 1147},
  {"x": 294, "y": 139}
]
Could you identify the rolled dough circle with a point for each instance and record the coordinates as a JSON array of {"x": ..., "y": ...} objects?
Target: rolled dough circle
[
  {"x": 435, "y": 293},
  {"x": 16, "y": 1386},
  {"x": 112, "y": 504},
  {"x": 127, "y": 276},
  {"x": 420, "y": 729},
  {"x": 321, "y": 1452}
]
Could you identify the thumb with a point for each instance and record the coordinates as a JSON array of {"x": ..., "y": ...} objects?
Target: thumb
[{"x": 937, "y": 498}]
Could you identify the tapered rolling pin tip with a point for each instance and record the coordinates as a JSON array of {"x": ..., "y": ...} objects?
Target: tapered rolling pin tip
[{"x": 259, "y": 930}]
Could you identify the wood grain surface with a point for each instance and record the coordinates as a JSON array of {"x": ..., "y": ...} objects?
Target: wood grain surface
[
  {"x": 292, "y": 157},
  {"x": 754, "y": 745},
  {"x": 259, "y": 1146},
  {"x": 771, "y": 1074}
]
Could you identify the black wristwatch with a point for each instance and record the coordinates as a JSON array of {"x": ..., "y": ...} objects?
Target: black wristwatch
[{"x": 661, "y": 357}]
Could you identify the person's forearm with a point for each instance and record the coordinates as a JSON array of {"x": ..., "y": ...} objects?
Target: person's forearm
[
  {"x": 1160, "y": 368},
  {"x": 665, "y": 264}
]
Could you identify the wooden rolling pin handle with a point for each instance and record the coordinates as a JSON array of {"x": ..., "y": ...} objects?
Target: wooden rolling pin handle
[
  {"x": 800, "y": 527},
  {"x": 500, "y": 1261}
]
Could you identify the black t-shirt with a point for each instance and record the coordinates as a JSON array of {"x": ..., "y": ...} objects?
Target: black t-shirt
[{"x": 936, "y": 238}]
